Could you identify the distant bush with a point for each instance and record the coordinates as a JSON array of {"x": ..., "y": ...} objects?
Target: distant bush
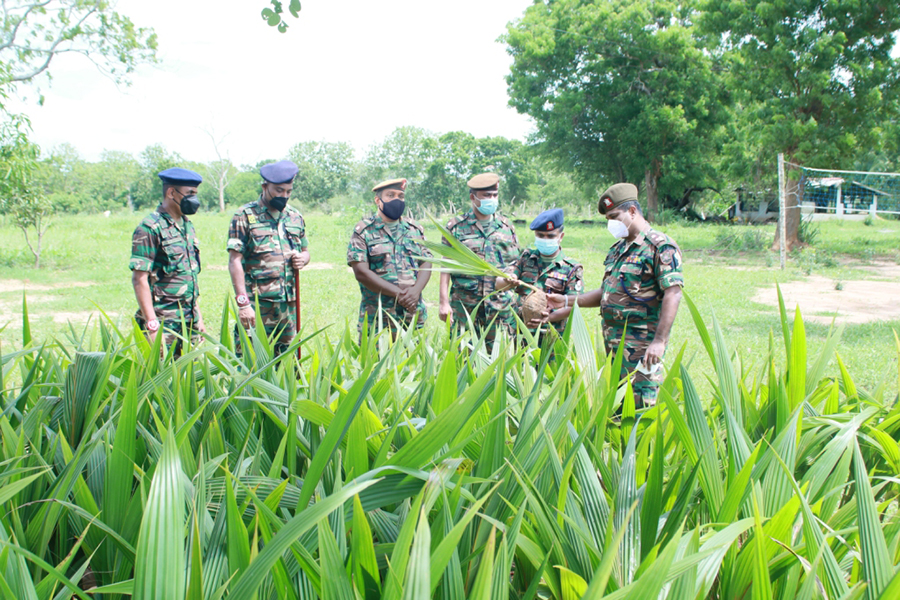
[
  {"x": 746, "y": 240},
  {"x": 808, "y": 233},
  {"x": 809, "y": 259},
  {"x": 665, "y": 216}
]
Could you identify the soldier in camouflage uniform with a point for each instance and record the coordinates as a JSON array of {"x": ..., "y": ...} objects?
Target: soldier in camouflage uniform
[
  {"x": 266, "y": 242},
  {"x": 492, "y": 237},
  {"x": 547, "y": 268},
  {"x": 382, "y": 253},
  {"x": 165, "y": 262},
  {"x": 641, "y": 290}
]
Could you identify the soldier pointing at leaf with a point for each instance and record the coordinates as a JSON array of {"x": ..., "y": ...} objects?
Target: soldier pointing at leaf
[
  {"x": 266, "y": 242},
  {"x": 641, "y": 290}
]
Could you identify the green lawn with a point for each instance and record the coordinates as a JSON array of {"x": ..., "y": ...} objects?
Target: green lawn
[{"x": 85, "y": 265}]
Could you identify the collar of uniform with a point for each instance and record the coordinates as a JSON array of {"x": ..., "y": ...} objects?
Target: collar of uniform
[
  {"x": 261, "y": 210},
  {"x": 488, "y": 225},
  {"x": 471, "y": 215},
  {"x": 638, "y": 240},
  {"x": 558, "y": 259},
  {"x": 169, "y": 218},
  {"x": 379, "y": 222}
]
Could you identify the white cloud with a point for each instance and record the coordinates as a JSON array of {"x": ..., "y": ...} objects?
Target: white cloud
[{"x": 345, "y": 71}]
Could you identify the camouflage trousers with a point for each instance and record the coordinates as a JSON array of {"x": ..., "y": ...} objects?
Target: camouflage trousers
[
  {"x": 484, "y": 319},
  {"x": 277, "y": 317},
  {"x": 400, "y": 315},
  {"x": 645, "y": 387},
  {"x": 172, "y": 333}
]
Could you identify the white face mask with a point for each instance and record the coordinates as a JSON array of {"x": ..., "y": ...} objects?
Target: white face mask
[
  {"x": 618, "y": 229},
  {"x": 488, "y": 206}
]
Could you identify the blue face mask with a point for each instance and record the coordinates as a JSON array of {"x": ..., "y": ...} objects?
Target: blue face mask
[
  {"x": 547, "y": 247},
  {"x": 488, "y": 206}
]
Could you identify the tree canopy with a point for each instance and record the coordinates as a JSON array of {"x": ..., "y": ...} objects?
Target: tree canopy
[
  {"x": 34, "y": 32},
  {"x": 333, "y": 176},
  {"x": 677, "y": 96},
  {"x": 620, "y": 91},
  {"x": 813, "y": 79}
]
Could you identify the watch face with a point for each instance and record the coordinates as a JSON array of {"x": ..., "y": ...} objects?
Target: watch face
[{"x": 153, "y": 325}]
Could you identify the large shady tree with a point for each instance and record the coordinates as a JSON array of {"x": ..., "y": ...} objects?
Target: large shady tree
[
  {"x": 620, "y": 91},
  {"x": 814, "y": 78}
]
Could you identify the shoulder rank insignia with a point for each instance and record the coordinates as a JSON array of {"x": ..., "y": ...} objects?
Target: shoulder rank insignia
[{"x": 251, "y": 218}]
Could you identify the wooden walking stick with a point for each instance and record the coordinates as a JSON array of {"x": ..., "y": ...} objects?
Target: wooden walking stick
[{"x": 297, "y": 307}]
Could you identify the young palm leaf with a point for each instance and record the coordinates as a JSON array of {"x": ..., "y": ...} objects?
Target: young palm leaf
[
  {"x": 458, "y": 259},
  {"x": 160, "y": 568}
]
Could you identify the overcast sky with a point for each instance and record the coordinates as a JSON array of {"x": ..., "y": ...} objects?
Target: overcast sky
[{"x": 346, "y": 70}]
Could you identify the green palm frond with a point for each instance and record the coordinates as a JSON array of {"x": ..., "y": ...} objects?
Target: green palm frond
[{"x": 456, "y": 258}]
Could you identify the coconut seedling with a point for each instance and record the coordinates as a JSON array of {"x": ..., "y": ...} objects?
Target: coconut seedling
[{"x": 457, "y": 258}]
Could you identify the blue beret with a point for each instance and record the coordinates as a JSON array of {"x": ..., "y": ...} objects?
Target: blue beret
[
  {"x": 282, "y": 171},
  {"x": 549, "y": 220},
  {"x": 179, "y": 176}
]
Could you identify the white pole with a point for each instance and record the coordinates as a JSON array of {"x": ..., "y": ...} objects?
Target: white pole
[
  {"x": 839, "y": 207},
  {"x": 782, "y": 211}
]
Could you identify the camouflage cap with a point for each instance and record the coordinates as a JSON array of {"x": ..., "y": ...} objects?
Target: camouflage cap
[
  {"x": 617, "y": 194},
  {"x": 391, "y": 184},
  {"x": 484, "y": 181}
]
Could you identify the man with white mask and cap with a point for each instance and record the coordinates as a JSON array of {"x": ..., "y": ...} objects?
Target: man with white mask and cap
[{"x": 640, "y": 293}]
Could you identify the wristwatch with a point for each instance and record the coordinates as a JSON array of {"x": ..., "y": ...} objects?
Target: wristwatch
[
  {"x": 243, "y": 301},
  {"x": 153, "y": 325}
]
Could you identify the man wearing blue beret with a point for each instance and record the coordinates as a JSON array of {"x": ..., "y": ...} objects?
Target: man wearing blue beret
[
  {"x": 165, "y": 262},
  {"x": 266, "y": 242},
  {"x": 547, "y": 268}
]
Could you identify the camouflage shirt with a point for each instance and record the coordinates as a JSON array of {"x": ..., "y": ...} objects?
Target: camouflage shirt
[
  {"x": 390, "y": 255},
  {"x": 561, "y": 275},
  {"x": 496, "y": 242},
  {"x": 171, "y": 254},
  {"x": 266, "y": 243},
  {"x": 636, "y": 275}
]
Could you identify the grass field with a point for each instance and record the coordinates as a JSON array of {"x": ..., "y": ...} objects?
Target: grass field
[
  {"x": 85, "y": 266},
  {"x": 430, "y": 468}
]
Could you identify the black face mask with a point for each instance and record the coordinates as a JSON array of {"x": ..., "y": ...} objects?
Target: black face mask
[
  {"x": 189, "y": 204},
  {"x": 393, "y": 210},
  {"x": 278, "y": 203}
]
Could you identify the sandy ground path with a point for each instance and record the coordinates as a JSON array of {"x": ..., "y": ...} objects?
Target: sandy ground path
[{"x": 876, "y": 298}]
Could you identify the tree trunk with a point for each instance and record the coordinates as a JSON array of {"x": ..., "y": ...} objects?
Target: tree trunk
[
  {"x": 651, "y": 180},
  {"x": 130, "y": 202},
  {"x": 221, "y": 199},
  {"x": 793, "y": 198},
  {"x": 40, "y": 234}
]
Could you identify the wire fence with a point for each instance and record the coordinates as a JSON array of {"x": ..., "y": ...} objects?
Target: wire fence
[{"x": 850, "y": 192}]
